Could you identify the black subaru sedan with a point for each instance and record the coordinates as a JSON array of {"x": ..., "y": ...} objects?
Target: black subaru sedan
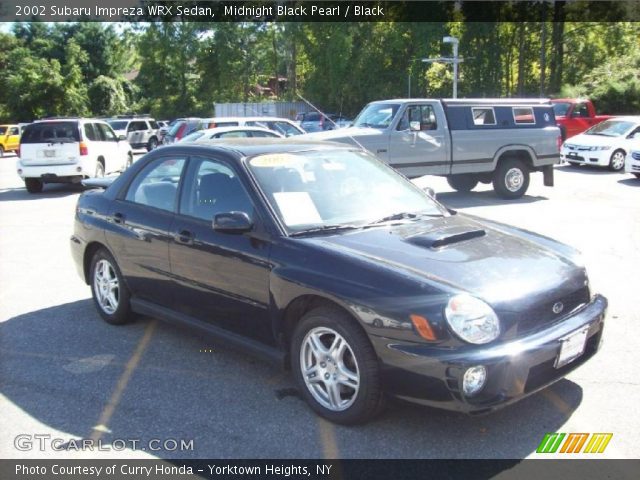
[{"x": 322, "y": 258}]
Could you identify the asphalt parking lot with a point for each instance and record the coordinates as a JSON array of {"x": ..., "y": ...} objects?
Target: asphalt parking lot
[{"x": 67, "y": 374}]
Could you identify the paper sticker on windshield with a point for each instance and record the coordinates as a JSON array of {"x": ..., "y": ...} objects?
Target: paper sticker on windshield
[
  {"x": 297, "y": 208},
  {"x": 274, "y": 160}
]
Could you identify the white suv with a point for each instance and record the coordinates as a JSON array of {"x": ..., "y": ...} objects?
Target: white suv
[{"x": 68, "y": 150}]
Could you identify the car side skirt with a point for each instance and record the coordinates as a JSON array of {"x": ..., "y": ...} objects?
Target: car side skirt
[{"x": 248, "y": 345}]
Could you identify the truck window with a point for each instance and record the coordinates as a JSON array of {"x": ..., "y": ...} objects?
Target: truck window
[
  {"x": 419, "y": 113},
  {"x": 483, "y": 116},
  {"x": 523, "y": 116},
  {"x": 581, "y": 110}
]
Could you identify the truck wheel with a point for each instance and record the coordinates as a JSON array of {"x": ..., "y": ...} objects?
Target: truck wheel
[
  {"x": 33, "y": 185},
  {"x": 462, "y": 183},
  {"x": 511, "y": 179},
  {"x": 617, "y": 161}
]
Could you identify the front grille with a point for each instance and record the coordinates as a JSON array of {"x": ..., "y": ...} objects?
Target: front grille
[{"x": 542, "y": 315}]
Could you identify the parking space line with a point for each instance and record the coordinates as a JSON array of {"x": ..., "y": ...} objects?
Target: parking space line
[
  {"x": 105, "y": 417},
  {"x": 328, "y": 439}
]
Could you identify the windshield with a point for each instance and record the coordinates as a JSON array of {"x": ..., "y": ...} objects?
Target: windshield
[
  {"x": 611, "y": 128},
  {"x": 329, "y": 188},
  {"x": 118, "y": 124},
  {"x": 377, "y": 115},
  {"x": 560, "y": 109}
]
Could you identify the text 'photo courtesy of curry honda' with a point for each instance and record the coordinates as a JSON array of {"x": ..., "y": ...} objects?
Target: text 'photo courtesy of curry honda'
[{"x": 276, "y": 246}]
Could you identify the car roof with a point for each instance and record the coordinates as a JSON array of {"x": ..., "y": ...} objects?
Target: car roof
[
  {"x": 248, "y": 147},
  {"x": 250, "y": 119},
  {"x": 69, "y": 119},
  {"x": 239, "y": 128}
]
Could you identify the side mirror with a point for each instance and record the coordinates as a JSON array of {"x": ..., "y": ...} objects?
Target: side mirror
[
  {"x": 122, "y": 137},
  {"x": 232, "y": 222},
  {"x": 414, "y": 126},
  {"x": 430, "y": 191}
]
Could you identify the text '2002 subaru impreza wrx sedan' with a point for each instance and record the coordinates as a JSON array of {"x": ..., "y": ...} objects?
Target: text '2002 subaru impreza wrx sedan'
[{"x": 325, "y": 259}]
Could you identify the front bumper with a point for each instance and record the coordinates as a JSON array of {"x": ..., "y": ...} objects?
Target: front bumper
[
  {"x": 433, "y": 376},
  {"x": 600, "y": 158}
]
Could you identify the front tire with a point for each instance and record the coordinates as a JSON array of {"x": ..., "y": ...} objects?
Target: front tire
[
  {"x": 637, "y": 175},
  {"x": 616, "y": 163},
  {"x": 336, "y": 367},
  {"x": 462, "y": 183},
  {"x": 110, "y": 294},
  {"x": 511, "y": 179},
  {"x": 34, "y": 185}
]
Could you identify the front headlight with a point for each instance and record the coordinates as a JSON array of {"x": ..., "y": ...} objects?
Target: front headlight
[{"x": 472, "y": 319}]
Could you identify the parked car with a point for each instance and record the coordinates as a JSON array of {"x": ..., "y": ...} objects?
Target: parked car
[
  {"x": 339, "y": 121},
  {"x": 315, "y": 121},
  {"x": 574, "y": 116},
  {"x": 164, "y": 127},
  {"x": 632, "y": 162},
  {"x": 230, "y": 132},
  {"x": 469, "y": 141},
  {"x": 277, "y": 246},
  {"x": 604, "y": 145},
  {"x": 67, "y": 150},
  {"x": 283, "y": 126},
  {"x": 9, "y": 138},
  {"x": 181, "y": 128},
  {"x": 140, "y": 132}
]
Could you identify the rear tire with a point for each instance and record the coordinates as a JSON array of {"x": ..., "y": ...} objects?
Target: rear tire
[
  {"x": 99, "y": 168},
  {"x": 1, "y": 151},
  {"x": 153, "y": 144},
  {"x": 110, "y": 294},
  {"x": 342, "y": 380},
  {"x": 511, "y": 179},
  {"x": 33, "y": 185},
  {"x": 462, "y": 183}
]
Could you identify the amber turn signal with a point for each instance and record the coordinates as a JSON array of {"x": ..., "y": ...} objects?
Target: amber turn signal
[{"x": 423, "y": 327}]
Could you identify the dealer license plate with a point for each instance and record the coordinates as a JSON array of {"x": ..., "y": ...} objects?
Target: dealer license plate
[{"x": 571, "y": 347}]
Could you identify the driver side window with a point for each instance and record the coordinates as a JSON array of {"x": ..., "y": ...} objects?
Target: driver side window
[{"x": 419, "y": 113}]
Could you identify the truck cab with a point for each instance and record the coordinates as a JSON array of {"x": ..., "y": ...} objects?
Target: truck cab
[{"x": 9, "y": 138}]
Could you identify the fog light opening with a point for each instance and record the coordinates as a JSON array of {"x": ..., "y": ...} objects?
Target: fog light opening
[{"x": 473, "y": 380}]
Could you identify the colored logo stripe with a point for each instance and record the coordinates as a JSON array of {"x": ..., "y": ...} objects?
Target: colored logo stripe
[
  {"x": 598, "y": 442},
  {"x": 550, "y": 443},
  {"x": 574, "y": 442}
]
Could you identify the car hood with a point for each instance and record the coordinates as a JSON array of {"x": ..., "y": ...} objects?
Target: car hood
[
  {"x": 343, "y": 134},
  {"x": 584, "y": 140},
  {"x": 462, "y": 254}
]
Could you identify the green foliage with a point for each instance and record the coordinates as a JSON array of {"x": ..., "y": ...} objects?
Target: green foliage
[
  {"x": 613, "y": 86},
  {"x": 179, "y": 69}
]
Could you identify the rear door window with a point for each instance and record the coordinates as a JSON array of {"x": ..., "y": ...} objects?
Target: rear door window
[
  {"x": 105, "y": 133},
  {"x": 157, "y": 184},
  {"x": 90, "y": 132},
  {"x": 49, "y": 132}
]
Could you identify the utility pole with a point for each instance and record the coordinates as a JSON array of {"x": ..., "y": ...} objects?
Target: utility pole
[{"x": 455, "y": 60}]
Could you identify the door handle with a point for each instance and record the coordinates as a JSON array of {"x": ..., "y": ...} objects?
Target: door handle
[
  {"x": 118, "y": 218},
  {"x": 185, "y": 237}
]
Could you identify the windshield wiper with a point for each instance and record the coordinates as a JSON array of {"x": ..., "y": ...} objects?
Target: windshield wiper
[
  {"x": 325, "y": 228},
  {"x": 403, "y": 216}
]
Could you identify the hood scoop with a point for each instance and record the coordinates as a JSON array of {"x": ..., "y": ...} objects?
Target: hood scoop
[{"x": 446, "y": 236}]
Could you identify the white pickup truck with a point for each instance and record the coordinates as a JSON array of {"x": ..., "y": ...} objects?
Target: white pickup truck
[{"x": 467, "y": 140}]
